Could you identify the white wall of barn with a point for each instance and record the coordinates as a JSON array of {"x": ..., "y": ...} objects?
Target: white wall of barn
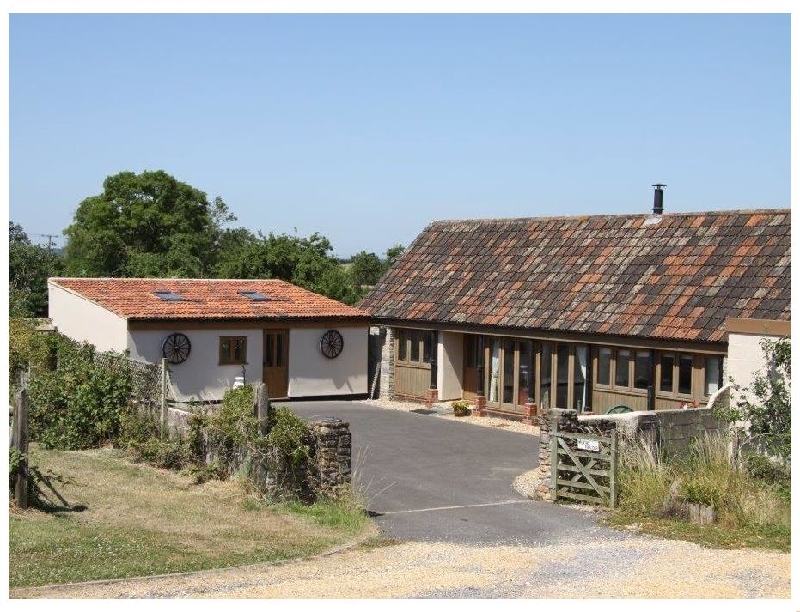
[{"x": 81, "y": 319}]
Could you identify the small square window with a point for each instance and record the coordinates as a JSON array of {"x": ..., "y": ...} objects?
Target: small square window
[{"x": 232, "y": 350}]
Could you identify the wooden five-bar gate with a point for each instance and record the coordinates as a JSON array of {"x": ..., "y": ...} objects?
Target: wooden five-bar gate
[{"x": 584, "y": 467}]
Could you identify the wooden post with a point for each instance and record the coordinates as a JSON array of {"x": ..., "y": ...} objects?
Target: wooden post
[
  {"x": 163, "y": 397},
  {"x": 612, "y": 479},
  {"x": 262, "y": 408},
  {"x": 21, "y": 445},
  {"x": 553, "y": 456}
]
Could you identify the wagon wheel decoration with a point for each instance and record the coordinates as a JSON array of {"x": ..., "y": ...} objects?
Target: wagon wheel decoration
[
  {"x": 176, "y": 348},
  {"x": 331, "y": 343}
]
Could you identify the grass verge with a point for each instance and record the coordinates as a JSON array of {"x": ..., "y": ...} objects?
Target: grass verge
[
  {"x": 654, "y": 492},
  {"x": 108, "y": 518}
]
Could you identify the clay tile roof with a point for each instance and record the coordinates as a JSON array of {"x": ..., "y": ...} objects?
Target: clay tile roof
[
  {"x": 135, "y": 298},
  {"x": 676, "y": 277}
]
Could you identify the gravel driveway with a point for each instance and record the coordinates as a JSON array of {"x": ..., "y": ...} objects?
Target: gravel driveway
[{"x": 589, "y": 565}]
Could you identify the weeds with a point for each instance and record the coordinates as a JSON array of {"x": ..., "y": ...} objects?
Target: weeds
[{"x": 655, "y": 490}]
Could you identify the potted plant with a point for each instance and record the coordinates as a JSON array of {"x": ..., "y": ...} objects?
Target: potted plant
[{"x": 461, "y": 408}]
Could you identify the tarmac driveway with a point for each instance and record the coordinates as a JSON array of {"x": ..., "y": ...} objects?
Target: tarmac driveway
[{"x": 431, "y": 479}]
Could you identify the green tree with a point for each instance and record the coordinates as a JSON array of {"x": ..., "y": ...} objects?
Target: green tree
[
  {"x": 392, "y": 253},
  {"x": 146, "y": 224},
  {"x": 29, "y": 266},
  {"x": 366, "y": 268},
  {"x": 766, "y": 405}
]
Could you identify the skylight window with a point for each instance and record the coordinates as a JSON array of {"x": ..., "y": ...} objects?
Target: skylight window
[
  {"x": 168, "y": 296},
  {"x": 254, "y": 296}
]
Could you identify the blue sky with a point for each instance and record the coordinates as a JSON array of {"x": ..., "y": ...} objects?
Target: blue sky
[{"x": 367, "y": 127}]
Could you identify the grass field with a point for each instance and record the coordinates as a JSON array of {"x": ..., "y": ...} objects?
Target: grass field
[{"x": 109, "y": 518}]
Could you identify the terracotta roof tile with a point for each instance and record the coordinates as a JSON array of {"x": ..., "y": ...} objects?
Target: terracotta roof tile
[
  {"x": 134, "y": 298},
  {"x": 678, "y": 278}
]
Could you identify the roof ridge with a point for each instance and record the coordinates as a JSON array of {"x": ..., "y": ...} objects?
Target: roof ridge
[{"x": 738, "y": 211}]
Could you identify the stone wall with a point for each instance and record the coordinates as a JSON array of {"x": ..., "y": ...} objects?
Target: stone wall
[
  {"x": 387, "y": 366},
  {"x": 328, "y": 473},
  {"x": 671, "y": 430},
  {"x": 332, "y": 453}
]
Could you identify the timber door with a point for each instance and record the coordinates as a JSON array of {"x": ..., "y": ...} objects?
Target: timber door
[{"x": 276, "y": 362}]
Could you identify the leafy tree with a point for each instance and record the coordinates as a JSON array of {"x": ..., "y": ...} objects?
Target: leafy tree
[
  {"x": 392, "y": 253},
  {"x": 29, "y": 266},
  {"x": 146, "y": 224},
  {"x": 366, "y": 268},
  {"x": 305, "y": 262},
  {"x": 767, "y": 404}
]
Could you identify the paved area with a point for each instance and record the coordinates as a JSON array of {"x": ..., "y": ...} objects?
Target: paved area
[{"x": 426, "y": 478}]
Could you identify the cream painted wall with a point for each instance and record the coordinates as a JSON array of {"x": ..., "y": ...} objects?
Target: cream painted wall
[
  {"x": 83, "y": 320},
  {"x": 313, "y": 374},
  {"x": 200, "y": 376},
  {"x": 745, "y": 357},
  {"x": 449, "y": 357}
]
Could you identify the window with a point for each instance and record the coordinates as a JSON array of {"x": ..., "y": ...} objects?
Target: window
[
  {"x": 713, "y": 375},
  {"x": 622, "y": 375},
  {"x": 415, "y": 346},
  {"x": 642, "y": 372},
  {"x": 562, "y": 375},
  {"x": 545, "y": 373},
  {"x": 401, "y": 345},
  {"x": 579, "y": 396},
  {"x": 232, "y": 350},
  {"x": 667, "y": 373},
  {"x": 685, "y": 374},
  {"x": 604, "y": 366}
]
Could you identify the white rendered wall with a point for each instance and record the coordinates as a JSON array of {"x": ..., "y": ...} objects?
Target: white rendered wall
[
  {"x": 745, "y": 357},
  {"x": 450, "y": 365},
  {"x": 200, "y": 376},
  {"x": 83, "y": 320},
  {"x": 313, "y": 374}
]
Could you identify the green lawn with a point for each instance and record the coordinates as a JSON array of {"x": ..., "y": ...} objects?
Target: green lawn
[{"x": 109, "y": 518}]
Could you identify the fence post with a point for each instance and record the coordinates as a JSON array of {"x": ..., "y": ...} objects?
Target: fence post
[
  {"x": 21, "y": 445},
  {"x": 553, "y": 456},
  {"x": 163, "y": 396},
  {"x": 263, "y": 408},
  {"x": 612, "y": 482}
]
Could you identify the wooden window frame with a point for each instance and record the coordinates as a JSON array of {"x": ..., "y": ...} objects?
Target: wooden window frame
[
  {"x": 613, "y": 387},
  {"x": 697, "y": 374},
  {"x": 230, "y": 358},
  {"x": 411, "y": 338}
]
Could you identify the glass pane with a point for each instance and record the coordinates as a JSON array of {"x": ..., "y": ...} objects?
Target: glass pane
[
  {"x": 604, "y": 366},
  {"x": 713, "y": 375},
  {"x": 494, "y": 372},
  {"x": 470, "y": 358},
  {"x": 579, "y": 378},
  {"x": 240, "y": 350},
  {"x": 415, "y": 338},
  {"x": 622, "y": 372},
  {"x": 562, "y": 375},
  {"x": 427, "y": 343},
  {"x": 401, "y": 345},
  {"x": 525, "y": 372},
  {"x": 685, "y": 374},
  {"x": 667, "y": 374},
  {"x": 268, "y": 350},
  {"x": 278, "y": 350},
  {"x": 508, "y": 371},
  {"x": 224, "y": 349},
  {"x": 545, "y": 367},
  {"x": 642, "y": 370}
]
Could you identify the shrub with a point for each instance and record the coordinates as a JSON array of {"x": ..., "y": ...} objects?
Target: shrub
[
  {"x": 79, "y": 403},
  {"x": 461, "y": 407}
]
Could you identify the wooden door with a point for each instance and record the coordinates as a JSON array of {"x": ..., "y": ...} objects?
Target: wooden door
[
  {"x": 276, "y": 362},
  {"x": 473, "y": 367}
]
